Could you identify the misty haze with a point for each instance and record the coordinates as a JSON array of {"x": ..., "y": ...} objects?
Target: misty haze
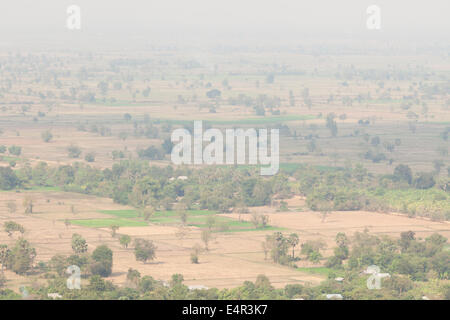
[{"x": 134, "y": 163}]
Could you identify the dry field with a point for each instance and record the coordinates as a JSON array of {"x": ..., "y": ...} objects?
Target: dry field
[
  {"x": 233, "y": 257},
  {"x": 245, "y": 73}
]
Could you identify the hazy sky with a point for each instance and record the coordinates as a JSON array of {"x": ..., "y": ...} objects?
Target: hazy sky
[{"x": 194, "y": 20}]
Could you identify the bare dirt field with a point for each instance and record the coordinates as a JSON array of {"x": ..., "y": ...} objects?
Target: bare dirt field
[{"x": 232, "y": 258}]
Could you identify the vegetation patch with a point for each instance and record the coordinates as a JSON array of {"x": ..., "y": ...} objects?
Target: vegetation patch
[{"x": 106, "y": 223}]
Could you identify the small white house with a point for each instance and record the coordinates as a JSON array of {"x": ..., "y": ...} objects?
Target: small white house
[{"x": 334, "y": 296}]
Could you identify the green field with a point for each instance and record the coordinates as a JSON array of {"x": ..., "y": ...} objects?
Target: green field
[{"x": 195, "y": 218}]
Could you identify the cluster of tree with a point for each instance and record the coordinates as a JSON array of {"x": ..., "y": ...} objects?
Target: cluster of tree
[
  {"x": 419, "y": 260},
  {"x": 356, "y": 189},
  {"x": 18, "y": 258},
  {"x": 147, "y": 288},
  {"x": 136, "y": 183},
  {"x": 139, "y": 184},
  {"x": 277, "y": 245},
  {"x": 411, "y": 262}
]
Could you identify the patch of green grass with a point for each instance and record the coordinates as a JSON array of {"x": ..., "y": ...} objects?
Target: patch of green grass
[
  {"x": 172, "y": 213},
  {"x": 195, "y": 218},
  {"x": 34, "y": 188},
  {"x": 45, "y": 188},
  {"x": 9, "y": 158},
  {"x": 317, "y": 270},
  {"x": 133, "y": 213},
  {"x": 105, "y": 223},
  {"x": 122, "y": 213}
]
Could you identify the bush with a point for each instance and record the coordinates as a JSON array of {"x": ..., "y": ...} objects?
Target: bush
[
  {"x": 424, "y": 180},
  {"x": 15, "y": 150},
  {"x": 151, "y": 153},
  {"x": 73, "y": 151},
  {"x": 90, "y": 157},
  {"x": 194, "y": 258},
  {"x": 8, "y": 179},
  {"x": 47, "y": 136}
]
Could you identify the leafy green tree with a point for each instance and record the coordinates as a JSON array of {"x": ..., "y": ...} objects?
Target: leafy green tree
[
  {"x": 293, "y": 242},
  {"x": 103, "y": 261},
  {"x": 278, "y": 246},
  {"x": 103, "y": 87},
  {"x": 398, "y": 283},
  {"x": 4, "y": 256},
  {"x": 167, "y": 146},
  {"x": 441, "y": 264},
  {"x": 177, "y": 289},
  {"x": 15, "y": 150},
  {"x": 406, "y": 238},
  {"x": 11, "y": 226},
  {"x": 331, "y": 124},
  {"x": 312, "y": 250},
  {"x": 90, "y": 157},
  {"x": 424, "y": 180},
  {"x": 21, "y": 257},
  {"x": 59, "y": 264},
  {"x": 97, "y": 284},
  {"x": 8, "y": 179},
  {"x": 403, "y": 172},
  {"x": 124, "y": 240},
  {"x": 144, "y": 250},
  {"x": 127, "y": 117},
  {"x": 213, "y": 94},
  {"x": 114, "y": 229},
  {"x": 73, "y": 151},
  {"x": 79, "y": 244},
  {"x": 342, "y": 240},
  {"x": 133, "y": 276}
]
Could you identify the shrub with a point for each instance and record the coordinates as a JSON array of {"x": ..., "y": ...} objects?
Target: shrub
[
  {"x": 47, "y": 136},
  {"x": 15, "y": 150},
  {"x": 73, "y": 151},
  {"x": 90, "y": 157}
]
